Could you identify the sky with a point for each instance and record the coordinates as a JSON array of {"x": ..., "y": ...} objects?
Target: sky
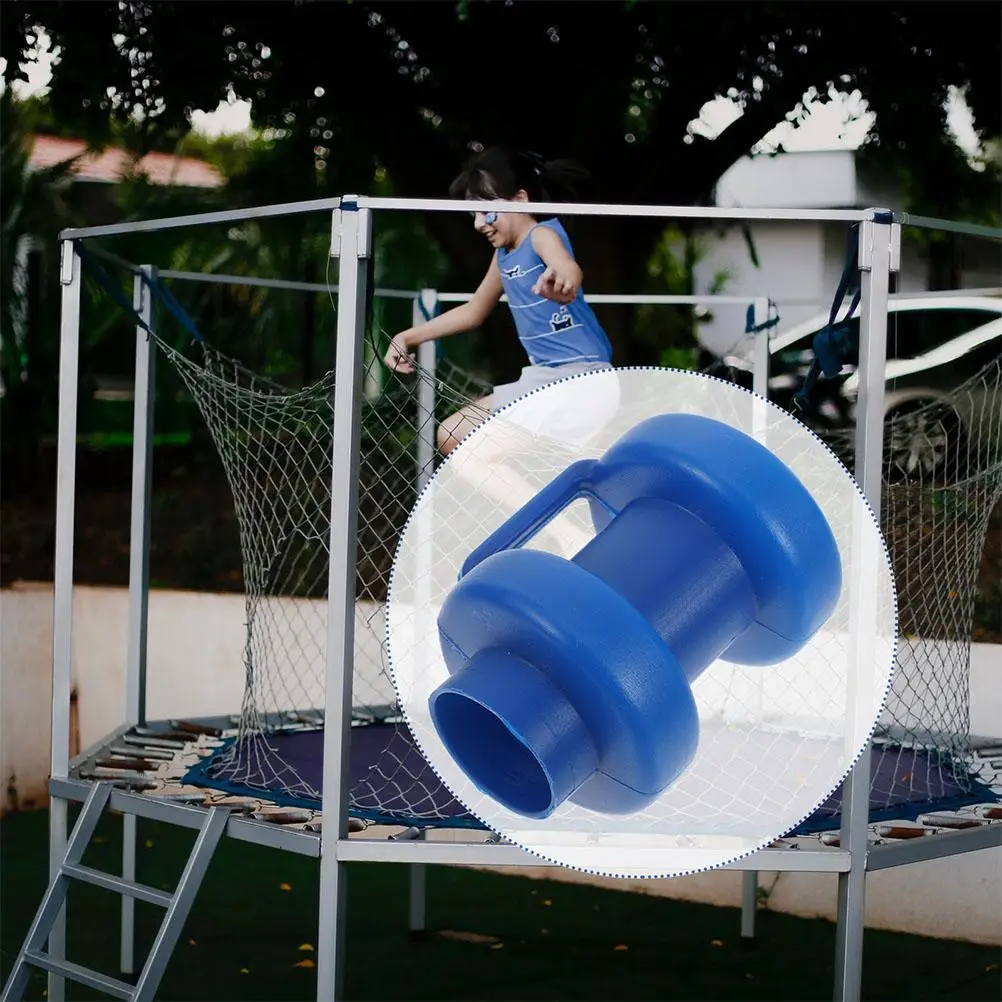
[{"x": 840, "y": 121}]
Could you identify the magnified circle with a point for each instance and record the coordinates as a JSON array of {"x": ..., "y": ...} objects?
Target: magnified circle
[{"x": 623, "y": 689}]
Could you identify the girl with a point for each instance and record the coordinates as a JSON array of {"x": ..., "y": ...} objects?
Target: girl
[{"x": 533, "y": 265}]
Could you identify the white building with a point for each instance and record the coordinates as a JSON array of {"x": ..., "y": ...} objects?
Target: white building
[{"x": 800, "y": 263}]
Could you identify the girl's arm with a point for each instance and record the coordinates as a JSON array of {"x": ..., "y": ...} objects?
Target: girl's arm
[
  {"x": 563, "y": 276},
  {"x": 466, "y": 317}
]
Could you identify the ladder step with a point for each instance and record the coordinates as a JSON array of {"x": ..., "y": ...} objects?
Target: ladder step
[
  {"x": 81, "y": 975},
  {"x": 118, "y": 884}
]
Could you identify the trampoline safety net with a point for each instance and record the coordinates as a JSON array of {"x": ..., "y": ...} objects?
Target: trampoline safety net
[{"x": 275, "y": 444}]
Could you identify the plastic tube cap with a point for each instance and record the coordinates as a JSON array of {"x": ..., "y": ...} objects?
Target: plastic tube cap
[{"x": 514, "y": 733}]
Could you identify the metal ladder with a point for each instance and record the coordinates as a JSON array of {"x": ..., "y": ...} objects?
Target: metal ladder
[{"x": 177, "y": 906}]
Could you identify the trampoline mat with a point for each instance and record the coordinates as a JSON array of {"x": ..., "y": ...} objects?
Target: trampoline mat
[{"x": 391, "y": 782}]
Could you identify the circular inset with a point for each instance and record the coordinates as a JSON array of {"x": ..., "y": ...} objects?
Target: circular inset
[{"x": 653, "y": 645}]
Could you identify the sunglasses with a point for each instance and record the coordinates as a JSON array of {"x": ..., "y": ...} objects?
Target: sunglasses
[{"x": 490, "y": 218}]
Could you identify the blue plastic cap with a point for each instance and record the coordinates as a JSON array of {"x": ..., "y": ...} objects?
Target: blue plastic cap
[{"x": 519, "y": 739}]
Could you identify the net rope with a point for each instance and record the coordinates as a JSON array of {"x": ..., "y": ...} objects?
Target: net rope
[
  {"x": 941, "y": 495},
  {"x": 275, "y": 445}
]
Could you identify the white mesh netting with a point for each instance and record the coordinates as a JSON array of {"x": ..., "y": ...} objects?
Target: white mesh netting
[{"x": 275, "y": 446}]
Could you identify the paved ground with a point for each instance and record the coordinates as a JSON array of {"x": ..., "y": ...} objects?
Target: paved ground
[{"x": 252, "y": 935}]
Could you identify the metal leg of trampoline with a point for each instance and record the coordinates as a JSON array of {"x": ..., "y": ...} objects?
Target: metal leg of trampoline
[
  {"x": 139, "y": 578},
  {"x": 352, "y": 244},
  {"x": 127, "y": 961},
  {"x": 70, "y": 279},
  {"x": 879, "y": 255},
  {"x": 749, "y": 902},
  {"x": 418, "y": 912}
]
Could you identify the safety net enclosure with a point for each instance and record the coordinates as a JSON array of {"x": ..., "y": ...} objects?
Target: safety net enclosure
[{"x": 275, "y": 444}]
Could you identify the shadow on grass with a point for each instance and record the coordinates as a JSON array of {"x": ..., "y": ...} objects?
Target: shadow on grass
[{"x": 252, "y": 934}]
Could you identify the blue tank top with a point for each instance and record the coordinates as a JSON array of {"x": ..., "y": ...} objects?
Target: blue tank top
[{"x": 551, "y": 334}]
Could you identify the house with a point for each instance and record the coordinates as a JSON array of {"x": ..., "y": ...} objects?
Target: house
[
  {"x": 112, "y": 164},
  {"x": 799, "y": 263},
  {"x": 95, "y": 175}
]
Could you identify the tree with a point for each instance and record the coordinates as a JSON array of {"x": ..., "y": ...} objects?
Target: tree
[{"x": 412, "y": 88}]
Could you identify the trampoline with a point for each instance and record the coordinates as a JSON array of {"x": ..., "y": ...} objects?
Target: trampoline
[
  {"x": 283, "y": 459},
  {"x": 275, "y": 443}
]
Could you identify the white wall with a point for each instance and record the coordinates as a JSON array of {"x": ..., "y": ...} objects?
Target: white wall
[
  {"x": 196, "y": 669},
  {"x": 810, "y": 179},
  {"x": 792, "y": 272}
]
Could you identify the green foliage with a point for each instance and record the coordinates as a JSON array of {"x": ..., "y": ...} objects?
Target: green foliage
[
  {"x": 671, "y": 331},
  {"x": 410, "y": 88}
]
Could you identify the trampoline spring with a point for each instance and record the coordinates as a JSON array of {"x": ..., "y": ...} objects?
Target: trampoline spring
[
  {"x": 407, "y": 835},
  {"x": 290, "y": 816},
  {"x": 122, "y": 781},
  {"x": 145, "y": 742},
  {"x": 105, "y": 772},
  {"x": 186, "y": 727},
  {"x": 130, "y": 764},
  {"x": 183, "y": 798},
  {"x": 949, "y": 821},
  {"x": 902, "y": 831},
  {"x": 313, "y": 719},
  {"x": 236, "y": 807},
  {"x": 179, "y": 736},
  {"x": 159, "y": 754}
]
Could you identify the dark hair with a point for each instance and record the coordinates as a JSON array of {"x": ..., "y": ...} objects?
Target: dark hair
[{"x": 499, "y": 173}]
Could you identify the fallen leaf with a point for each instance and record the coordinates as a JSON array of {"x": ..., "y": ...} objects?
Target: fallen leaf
[
  {"x": 306, "y": 948},
  {"x": 285, "y": 887},
  {"x": 716, "y": 942},
  {"x": 991, "y": 967},
  {"x": 750, "y": 977},
  {"x": 497, "y": 946},
  {"x": 149, "y": 843},
  {"x": 547, "y": 902},
  {"x": 305, "y": 963},
  {"x": 467, "y": 937},
  {"x": 191, "y": 942},
  {"x": 244, "y": 970},
  {"x": 544, "y": 932},
  {"x": 621, "y": 947}
]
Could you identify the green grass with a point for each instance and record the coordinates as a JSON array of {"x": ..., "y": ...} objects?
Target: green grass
[{"x": 258, "y": 906}]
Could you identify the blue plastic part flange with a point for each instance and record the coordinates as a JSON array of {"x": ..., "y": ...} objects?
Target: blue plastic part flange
[{"x": 570, "y": 680}]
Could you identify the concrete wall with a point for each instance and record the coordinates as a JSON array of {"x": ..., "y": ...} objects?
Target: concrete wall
[{"x": 196, "y": 669}]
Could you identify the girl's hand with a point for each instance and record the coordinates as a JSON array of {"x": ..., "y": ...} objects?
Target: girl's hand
[
  {"x": 558, "y": 284},
  {"x": 398, "y": 357}
]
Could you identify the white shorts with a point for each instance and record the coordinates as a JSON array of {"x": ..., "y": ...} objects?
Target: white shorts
[
  {"x": 534, "y": 376},
  {"x": 571, "y": 413}
]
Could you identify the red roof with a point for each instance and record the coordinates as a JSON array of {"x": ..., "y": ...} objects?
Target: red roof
[{"x": 112, "y": 164}]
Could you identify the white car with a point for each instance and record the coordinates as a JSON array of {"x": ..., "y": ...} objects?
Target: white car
[{"x": 935, "y": 344}]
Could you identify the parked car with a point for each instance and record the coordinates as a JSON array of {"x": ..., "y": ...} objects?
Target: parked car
[{"x": 935, "y": 344}]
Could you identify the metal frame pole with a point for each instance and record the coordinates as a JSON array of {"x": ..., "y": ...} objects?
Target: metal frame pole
[
  {"x": 352, "y": 244},
  {"x": 424, "y": 308},
  {"x": 139, "y": 574},
  {"x": 70, "y": 278},
  {"x": 879, "y": 253},
  {"x": 760, "y": 421}
]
